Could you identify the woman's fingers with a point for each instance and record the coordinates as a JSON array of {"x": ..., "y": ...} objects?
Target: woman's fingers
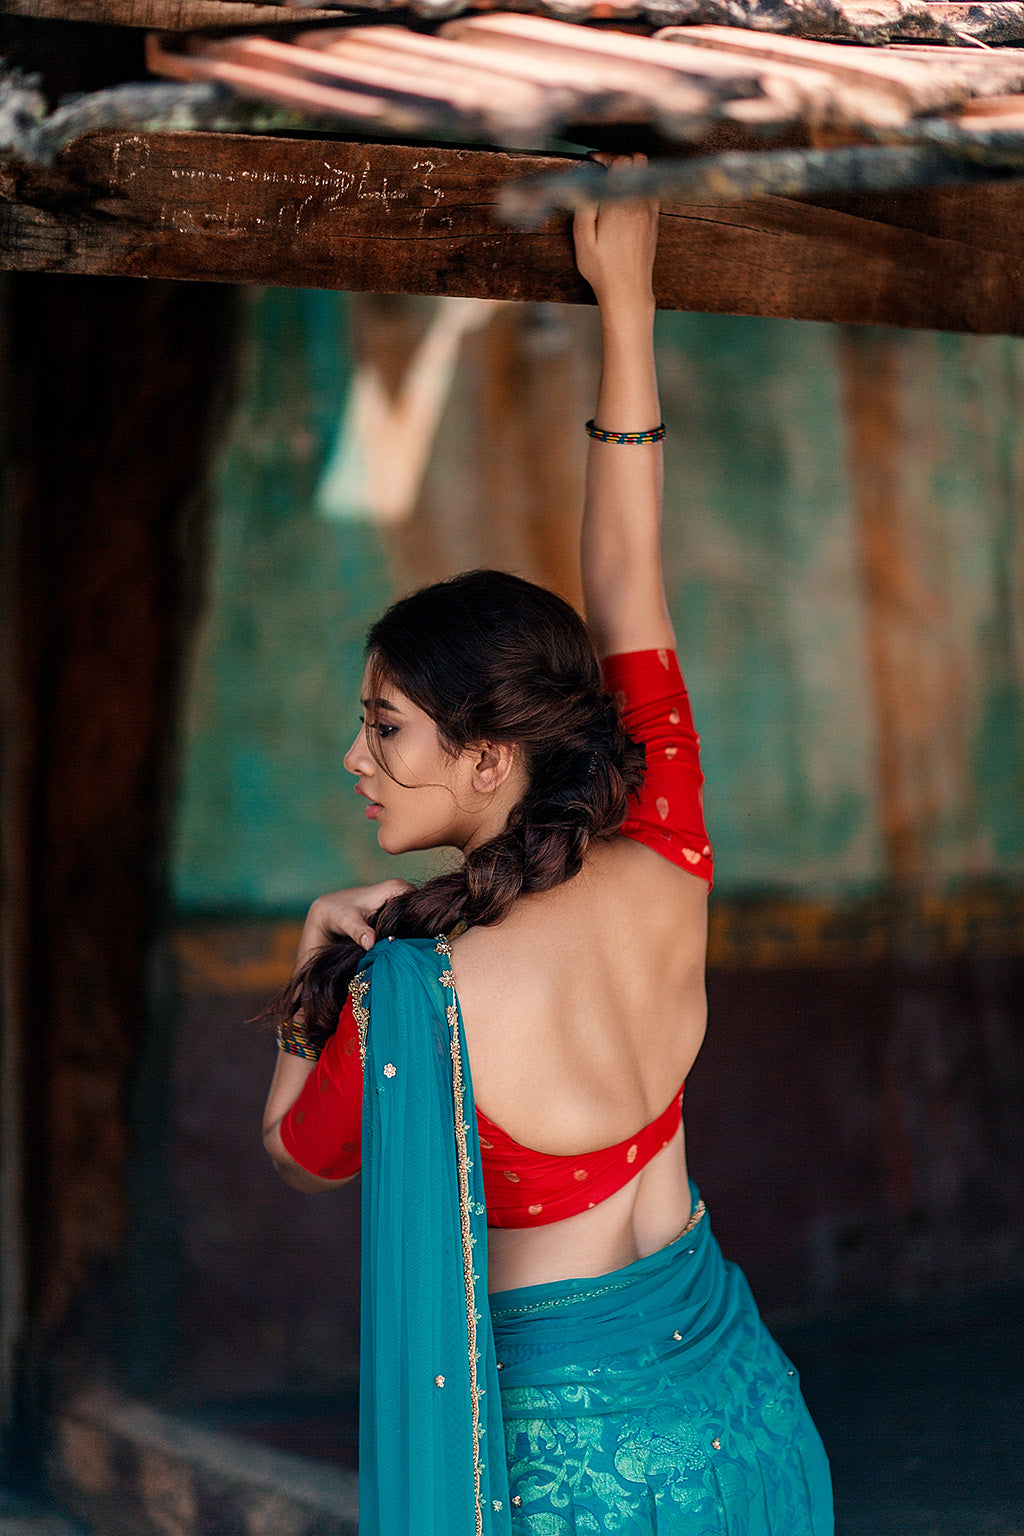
[
  {"x": 615, "y": 242},
  {"x": 374, "y": 898},
  {"x": 348, "y": 913}
]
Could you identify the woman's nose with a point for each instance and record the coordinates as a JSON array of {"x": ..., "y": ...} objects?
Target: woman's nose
[{"x": 358, "y": 759}]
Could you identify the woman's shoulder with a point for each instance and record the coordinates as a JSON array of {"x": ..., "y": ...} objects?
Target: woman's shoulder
[
  {"x": 636, "y": 870},
  {"x": 626, "y": 898}
]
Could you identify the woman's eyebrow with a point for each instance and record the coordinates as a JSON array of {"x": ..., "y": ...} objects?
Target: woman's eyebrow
[{"x": 381, "y": 704}]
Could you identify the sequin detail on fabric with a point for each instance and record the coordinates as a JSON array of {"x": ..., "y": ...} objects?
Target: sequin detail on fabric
[{"x": 357, "y": 990}]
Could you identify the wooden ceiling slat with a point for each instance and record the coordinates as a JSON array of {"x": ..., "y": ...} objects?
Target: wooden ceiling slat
[
  {"x": 864, "y": 64},
  {"x": 265, "y": 85},
  {"x": 943, "y": 77},
  {"x": 571, "y": 90},
  {"x": 542, "y": 67},
  {"x": 652, "y": 71},
  {"x": 783, "y": 91},
  {"x": 511, "y": 28},
  {"x": 391, "y": 72},
  {"x": 993, "y": 106},
  {"x": 531, "y": 105}
]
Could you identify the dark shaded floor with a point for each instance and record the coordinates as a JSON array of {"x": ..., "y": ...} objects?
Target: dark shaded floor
[
  {"x": 23, "y": 1517},
  {"x": 922, "y": 1411}
]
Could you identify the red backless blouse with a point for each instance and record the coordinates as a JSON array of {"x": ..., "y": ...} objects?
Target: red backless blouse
[{"x": 524, "y": 1188}]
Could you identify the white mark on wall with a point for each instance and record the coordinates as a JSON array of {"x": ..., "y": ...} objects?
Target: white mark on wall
[{"x": 383, "y": 444}]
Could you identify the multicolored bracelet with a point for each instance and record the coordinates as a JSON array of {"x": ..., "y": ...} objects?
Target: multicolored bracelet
[
  {"x": 632, "y": 439},
  {"x": 292, "y": 1037}
]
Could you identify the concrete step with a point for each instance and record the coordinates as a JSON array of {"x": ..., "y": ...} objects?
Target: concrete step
[
  {"x": 131, "y": 1470},
  {"x": 20, "y": 1517}
]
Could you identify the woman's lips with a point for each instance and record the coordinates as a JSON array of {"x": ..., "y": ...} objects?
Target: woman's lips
[{"x": 373, "y": 810}]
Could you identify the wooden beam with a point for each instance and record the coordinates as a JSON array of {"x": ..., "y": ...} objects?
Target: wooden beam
[
  {"x": 170, "y": 15},
  {"x": 395, "y": 218}
]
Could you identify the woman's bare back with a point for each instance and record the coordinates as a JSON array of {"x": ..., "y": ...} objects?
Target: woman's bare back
[{"x": 584, "y": 1010}]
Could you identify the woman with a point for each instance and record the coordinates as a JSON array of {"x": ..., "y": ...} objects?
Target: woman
[{"x": 621, "y": 1365}]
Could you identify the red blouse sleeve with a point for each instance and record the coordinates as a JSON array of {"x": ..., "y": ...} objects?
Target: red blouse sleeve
[
  {"x": 323, "y": 1129},
  {"x": 668, "y": 814}
]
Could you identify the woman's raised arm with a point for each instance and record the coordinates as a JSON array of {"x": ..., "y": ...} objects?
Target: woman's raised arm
[{"x": 623, "y": 586}]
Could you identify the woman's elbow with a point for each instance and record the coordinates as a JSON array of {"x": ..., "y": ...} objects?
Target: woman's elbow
[
  {"x": 309, "y": 1183},
  {"x": 293, "y": 1174}
]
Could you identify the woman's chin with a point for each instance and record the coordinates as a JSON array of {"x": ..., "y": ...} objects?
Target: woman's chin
[{"x": 391, "y": 843}]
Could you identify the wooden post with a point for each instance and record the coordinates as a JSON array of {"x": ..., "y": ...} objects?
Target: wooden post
[{"x": 110, "y": 389}]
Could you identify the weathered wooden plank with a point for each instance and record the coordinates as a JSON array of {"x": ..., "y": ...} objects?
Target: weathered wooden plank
[
  {"x": 392, "y": 218},
  {"x": 865, "y": 21},
  {"x": 989, "y": 217},
  {"x": 168, "y": 15}
]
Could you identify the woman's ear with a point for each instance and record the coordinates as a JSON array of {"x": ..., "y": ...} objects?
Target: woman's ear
[{"x": 493, "y": 765}]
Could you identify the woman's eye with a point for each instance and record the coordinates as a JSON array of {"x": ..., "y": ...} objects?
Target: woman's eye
[{"x": 383, "y": 731}]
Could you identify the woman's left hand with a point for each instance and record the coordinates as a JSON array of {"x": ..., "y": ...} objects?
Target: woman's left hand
[{"x": 615, "y": 242}]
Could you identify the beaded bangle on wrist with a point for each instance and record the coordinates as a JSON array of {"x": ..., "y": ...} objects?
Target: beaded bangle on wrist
[
  {"x": 631, "y": 439},
  {"x": 292, "y": 1037}
]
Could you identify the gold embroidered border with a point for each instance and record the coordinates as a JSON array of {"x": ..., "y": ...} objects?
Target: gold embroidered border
[
  {"x": 357, "y": 990},
  {"x": 695, "y": 1216},
  {"x": 462, "y": 1160}
]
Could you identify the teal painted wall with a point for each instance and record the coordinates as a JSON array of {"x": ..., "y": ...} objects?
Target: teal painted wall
[
  {"x": 765, "y": 584},
  {"x": 263, "y": 819}
]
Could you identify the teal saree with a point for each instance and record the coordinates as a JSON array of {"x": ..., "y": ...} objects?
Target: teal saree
[
  {"x": 653, "y": 1399},
  {"x": 431, "y": 1447},
  {"x": 649, "y": 1400}
]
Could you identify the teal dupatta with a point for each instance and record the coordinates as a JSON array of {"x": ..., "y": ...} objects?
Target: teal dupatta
[{"x": 431, "y": 1446}]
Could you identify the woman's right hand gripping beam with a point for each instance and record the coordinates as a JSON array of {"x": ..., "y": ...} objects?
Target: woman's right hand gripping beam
[{"x": 623, "y": 585}]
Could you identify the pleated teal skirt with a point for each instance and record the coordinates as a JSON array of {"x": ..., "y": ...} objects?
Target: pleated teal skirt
[{"x": 654, "y": 1400}]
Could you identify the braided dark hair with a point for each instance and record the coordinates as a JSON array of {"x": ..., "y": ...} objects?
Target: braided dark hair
[{"x": 491, "y": 657}]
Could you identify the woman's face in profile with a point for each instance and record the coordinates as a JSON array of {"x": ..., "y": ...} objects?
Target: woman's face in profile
[{"x": 419, "y": 795}]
